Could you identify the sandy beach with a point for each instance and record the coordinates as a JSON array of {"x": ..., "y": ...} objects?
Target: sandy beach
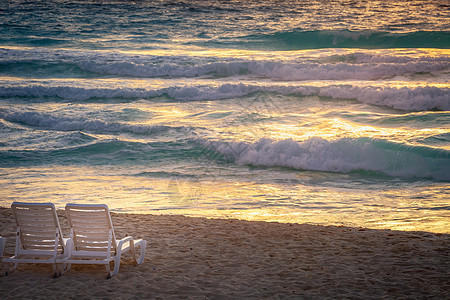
[{"x": 230, "y": 259}]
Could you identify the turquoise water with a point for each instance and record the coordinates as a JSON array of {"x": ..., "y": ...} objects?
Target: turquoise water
[{"x": 333, "y": 112}]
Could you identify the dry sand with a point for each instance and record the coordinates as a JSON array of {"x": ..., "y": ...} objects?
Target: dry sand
[{"x": 198, "y": 258}]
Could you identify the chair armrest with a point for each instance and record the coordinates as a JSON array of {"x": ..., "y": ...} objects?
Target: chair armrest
[{"x": 123, "y": 241}]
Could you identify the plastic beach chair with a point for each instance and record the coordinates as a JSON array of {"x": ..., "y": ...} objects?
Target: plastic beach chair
[
  {"x": 39, "y": 238},
  {"x": 93, "y": 241}
]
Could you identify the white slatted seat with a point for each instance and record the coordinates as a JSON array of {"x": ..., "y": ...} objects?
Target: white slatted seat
[
  {"x": 39, "y": 238},
  {"x": 92, "y": 239}
]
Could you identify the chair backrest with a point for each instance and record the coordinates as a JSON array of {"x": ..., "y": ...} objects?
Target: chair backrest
[
  {"x": 91, "y": 227},
  {"x": 38, "y": 226}
]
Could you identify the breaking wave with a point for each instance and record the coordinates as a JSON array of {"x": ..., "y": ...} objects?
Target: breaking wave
[
  {"x": 44, "y": 63},
  {"x": 51, "y": 122},
  {"x": 404, "y": 98},
  {"x": 342, "y": 155}
]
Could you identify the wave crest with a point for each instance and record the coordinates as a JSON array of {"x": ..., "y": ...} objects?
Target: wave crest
[
  {"x": 326, "y": 66},
  {"x": 343, "y": 155},
  {"x": 50, "y": 122},
  {"x": 405, "y": 98}
]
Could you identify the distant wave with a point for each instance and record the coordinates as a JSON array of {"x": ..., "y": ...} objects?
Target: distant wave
[
  {"x": 405, "y": 98},
  {"x": 102, "y": 151},
  {"x": 110, "y": 152},
  {"x": 298, "y": 40},
  {"x": 343, "y": 155},
  {"x": 45, "y": 63},
  {"x": 411, "y": 99},
  {"x": 51, "y": 122}
]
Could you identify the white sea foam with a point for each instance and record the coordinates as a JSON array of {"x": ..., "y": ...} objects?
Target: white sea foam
[
  {"x": 275, "y": 66},
  {"x": 51, "y": 122},
  {"x": 274, "y": 70},
  {"x": 341, "y": 71},
  {"x": 414, "y": 99},
  {"x": 343, "y": 155},
  {"x": 405, "y": 98}
]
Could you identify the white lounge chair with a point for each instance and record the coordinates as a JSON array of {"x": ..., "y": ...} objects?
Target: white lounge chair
[
  {"x": 93, "y": 241},
  {"x": 39, "y": 238}
]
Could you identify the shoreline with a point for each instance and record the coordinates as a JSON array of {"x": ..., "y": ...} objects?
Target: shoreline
[{"x": 191, "y": 257}]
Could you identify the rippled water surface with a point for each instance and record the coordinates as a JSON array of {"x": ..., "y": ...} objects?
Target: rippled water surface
[{"x": 333, "y": 112}]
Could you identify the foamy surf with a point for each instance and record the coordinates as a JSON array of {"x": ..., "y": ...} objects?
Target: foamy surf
[
  {"x": 342, "y": 155},
  {"x": 51, "y": 122},
  {"x": 321, "y": 65},
  {"x": 419, "y": 98}
]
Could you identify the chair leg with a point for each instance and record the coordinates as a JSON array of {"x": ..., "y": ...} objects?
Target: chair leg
[
  {"x": 108, "y": 270},
  {"x": 116, "y": 265},
  {"x": 133, "y": 247},
  {"x": 63, "y": 268},
  {"x": 8, "y": 270},
  {"x": 133, "y": 251},
  {"x": 55, "y": 270},
  {"x": 142, "y": 245}
]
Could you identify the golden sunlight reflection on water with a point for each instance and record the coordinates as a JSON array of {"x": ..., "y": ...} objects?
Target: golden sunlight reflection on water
[{"x": 372, "y": 207}]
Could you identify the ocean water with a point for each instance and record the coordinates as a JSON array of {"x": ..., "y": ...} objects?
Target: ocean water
[{"x": 322, "y": 112}]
